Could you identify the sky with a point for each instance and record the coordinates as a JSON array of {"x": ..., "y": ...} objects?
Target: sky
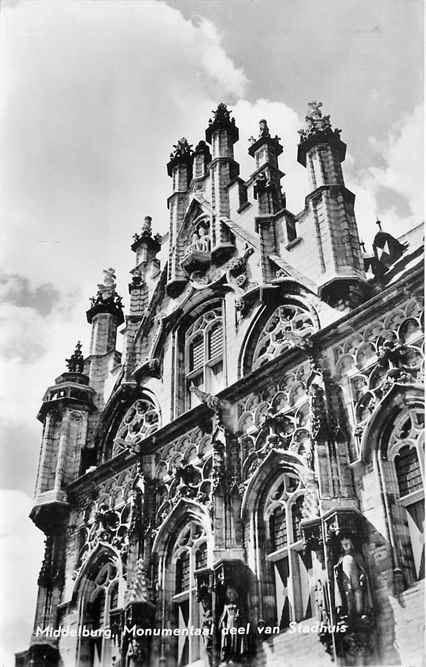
[{"x": 93, "y": 94}]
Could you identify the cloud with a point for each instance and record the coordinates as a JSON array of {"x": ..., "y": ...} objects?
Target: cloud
[
  {"x": 21, "y": 547},
  {"x": 385, "y": 191},
  {"x": 16, "y": 289}
]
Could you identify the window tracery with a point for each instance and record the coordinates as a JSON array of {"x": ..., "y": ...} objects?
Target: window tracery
[
  {"x": 276, "y": 335},
  {"x": 189, "y": 555},
  {"x": 405, "y": 451},
  {"x": 140, "y": 421},
  {"x": 385, "y": 351},
  {"x": 100, "y": 611},
  {"x": 292, "y": 568}
]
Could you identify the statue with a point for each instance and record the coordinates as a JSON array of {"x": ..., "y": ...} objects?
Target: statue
[
  {"x": 352, "y": 590},
  {"x": 232, "y": 645}
]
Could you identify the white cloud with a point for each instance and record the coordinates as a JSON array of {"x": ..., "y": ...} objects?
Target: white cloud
[
  {"x": 21, "y": 555},
  {"x": 401, "y": 172}
]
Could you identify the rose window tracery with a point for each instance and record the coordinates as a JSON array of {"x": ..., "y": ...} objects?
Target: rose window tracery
[
  {"x": 278, "y": 333},
  {"x": 140, "y": 421}
]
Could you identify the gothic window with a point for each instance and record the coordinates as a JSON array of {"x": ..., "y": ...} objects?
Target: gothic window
[
  {"x": 278, "y": 333},
  {"x": 405, "y": 452},
  {"x": 284, "y": 551},
  {"x": 140, "y": 420},
  {"x": 204, "y": 354},
  {"x": 99, "y": 603},
  {"x": 189, "y": 555}
]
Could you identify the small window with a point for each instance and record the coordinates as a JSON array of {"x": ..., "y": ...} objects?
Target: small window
[
  {"x": 204, "y": 355},
  {"x": 408, "y": 471}
]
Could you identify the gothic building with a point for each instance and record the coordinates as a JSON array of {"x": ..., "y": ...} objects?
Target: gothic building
[{"x": 243, "y": 484}]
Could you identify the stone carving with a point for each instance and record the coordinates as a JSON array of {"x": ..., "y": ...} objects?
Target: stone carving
[
  {"x": 237, "y": 272},
  {"x": 181, "y": 149},
  {"x": 232, "y": 645},
  {"x": 106, "y": 294},
  {"x": 288, "y": 326},
  {"x": 140, "y": 421},
  {"x": 75, "y": 363}
]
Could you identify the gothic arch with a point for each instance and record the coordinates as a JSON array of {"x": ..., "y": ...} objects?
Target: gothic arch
[
  {"x": 102, "y": 554},
  {"x": 399, "y": 397},
  {"x": 184, "y": 510},
  {"x": 114, "y": 413},
  {"x": 271, "y": 467},
  {"x": 298, "y": 308}
]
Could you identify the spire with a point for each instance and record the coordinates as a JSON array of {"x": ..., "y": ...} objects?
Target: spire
[
  {"x": 145, "y": 236},
  {"x": 222, "y": 120},
  {"x": 318, "y": 130},
  {"x": 263, "y": 139},
  {"x": 106, "y": 300},
  {"x": 75, "y": 363},
  {"x": 181, "y": 154}
]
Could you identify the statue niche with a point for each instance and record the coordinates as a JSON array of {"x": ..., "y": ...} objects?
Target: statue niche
[{"x": 353, "y": 604}]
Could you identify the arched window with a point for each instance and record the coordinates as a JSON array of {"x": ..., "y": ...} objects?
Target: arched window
[
  {"x": 189, "y": 555},
  {"x": 99, "y": 606},
  {"x": 140, "y": 420},
  {"x": 204, "y": 355},
  {"x": 282, "y": 514},
  {"x": 279, "y": 331},
  {"x": 406, "y": 454}
]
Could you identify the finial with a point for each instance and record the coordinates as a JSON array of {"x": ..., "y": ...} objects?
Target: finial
[
  {"x": 146, "y": 225},
  {"x": 263, "y": 128},
  {"x": 379, "y": 223},
  {"x": 75, "y": 363}
]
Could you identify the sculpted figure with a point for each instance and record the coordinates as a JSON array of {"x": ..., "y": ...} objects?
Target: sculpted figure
[
  {"x": 352, "y": 591},
  {"x": 232, "y": 644}
]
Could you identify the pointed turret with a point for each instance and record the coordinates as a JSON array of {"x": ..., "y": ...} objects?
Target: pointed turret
[
  {"x": 265, "y": 150},
  {"x": 105, "y": 315},
  {"x": 331, "y": 211},
  {"x": 221, "y": 134},
  {"x": 179, "y": 168}
]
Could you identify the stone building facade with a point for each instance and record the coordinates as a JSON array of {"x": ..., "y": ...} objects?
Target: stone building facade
[{"x": 244, "y": 484}]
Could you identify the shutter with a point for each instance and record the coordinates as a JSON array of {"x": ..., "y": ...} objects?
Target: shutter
[
  {"x": 197, "y": 353},
  {"x": 216, "y": 341}
]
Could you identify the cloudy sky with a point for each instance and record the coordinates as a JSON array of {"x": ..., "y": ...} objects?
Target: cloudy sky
[{"x": 92, "y": 96}]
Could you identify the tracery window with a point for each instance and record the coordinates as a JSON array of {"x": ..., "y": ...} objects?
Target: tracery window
[
  {"x": 99, "y": 606},
  {"x": 204, "y": 354},
  {"x": 282, "y": 515},
  {"x": 189, "y": 555},
  {"x": 140, "y": 420},
  {"x": 406, "y": 452},
  {"x": 276, "y": 335}
]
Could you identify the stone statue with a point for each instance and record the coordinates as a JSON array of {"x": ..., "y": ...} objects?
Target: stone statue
[
  {"x": 232, "y": 645},
  {"x": 352, "y": 590}
]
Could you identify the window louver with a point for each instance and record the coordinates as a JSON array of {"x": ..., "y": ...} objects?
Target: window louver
[
  {"x": 197, "y": 353},
  {"x": 215, "y": 341}
]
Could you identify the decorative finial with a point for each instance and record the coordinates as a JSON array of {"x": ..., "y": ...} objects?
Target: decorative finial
[
  {"x": 75, "y": 363},
  {"x": 263, "y": 128},
  {"x": 379, "y": 223},
  {"x": 181, "y": 149},
  {"x": 146, "y": 225}
]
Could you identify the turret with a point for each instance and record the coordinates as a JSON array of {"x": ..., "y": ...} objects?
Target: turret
[
  {"x": 265, "y": 150},
  {"x": 145, "y": 276},
  {"x": 331, "y": 211},
  {"x": 179, "y": 168},
  {"x": 64, "y": 414},
  {"x": 221, "y": 134},
  {"x": 105, "y": 315}
]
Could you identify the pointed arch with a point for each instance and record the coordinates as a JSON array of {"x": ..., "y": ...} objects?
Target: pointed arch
[
  {"x": 381, "y": 421},
  {"x": 184, "y": 511},
  {"x": 292, "y": 312},
  {"x": 275, "y": 463}
]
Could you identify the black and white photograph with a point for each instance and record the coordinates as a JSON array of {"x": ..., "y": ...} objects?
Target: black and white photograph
[{"x": 211, "y": 333}]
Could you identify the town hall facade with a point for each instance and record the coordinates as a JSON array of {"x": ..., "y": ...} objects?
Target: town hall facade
[{"x": 244, "y": 483}]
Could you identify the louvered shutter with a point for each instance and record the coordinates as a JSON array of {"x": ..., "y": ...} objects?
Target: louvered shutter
[
  {"x": 196, "y": 353},
  {"x": 215, "y": 341}
]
